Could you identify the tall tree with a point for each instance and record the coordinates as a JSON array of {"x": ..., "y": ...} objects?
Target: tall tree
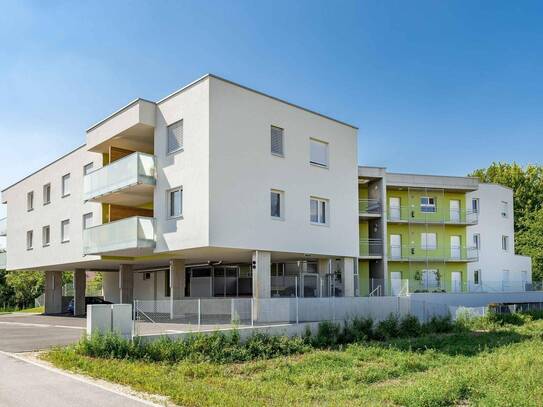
[{"x": 27, "y": 285}]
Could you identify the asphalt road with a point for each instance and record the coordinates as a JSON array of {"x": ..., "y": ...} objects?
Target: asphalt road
[
  {"x": 25, "y": 333},
  {"x": 23, "y": 383}
]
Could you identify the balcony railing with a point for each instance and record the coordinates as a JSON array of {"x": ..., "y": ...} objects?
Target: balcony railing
[
  {"x": 413, "y": 214},
  {"x": 125, "y": 173},
  {"x": 369, "y": 207},
  {"x": 4, "y": 227},
  {"x": 449, "y": 254},
  {"x": 371, "y": 247},
  {"x": 3, "y": 260},
  {"x": 130, "y": 236}
]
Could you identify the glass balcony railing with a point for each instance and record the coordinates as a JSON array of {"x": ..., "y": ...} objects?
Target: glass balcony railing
[
  {"x": 371, "y": 247},
  {"x": 130, "y": 236},
  {"x": 451, "y": 254},
  {"x": 130, "y": 171},
  {"x": 3, "y": 260},
  {"x": 369, "y": 207},
  {"x": 4, "y": 227},
  {"x": 414, "y": 214}
]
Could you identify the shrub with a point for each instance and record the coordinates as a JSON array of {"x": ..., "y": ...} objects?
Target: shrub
[
  {"x": 328, "y": 335},
  {"x": 388, "y": 328},
  {"x": 357, "y": 330},
  {"x": 410, "y": 326},
  {"x": 439, "y": 325}
]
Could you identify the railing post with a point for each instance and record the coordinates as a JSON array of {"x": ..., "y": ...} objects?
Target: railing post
[
  {"x": 297, "y": 312},
  {"x": 231, "y": 310},
  {"x": 199, "y": 313},
  {"x": 134, "y": 316},
  {"x": 252, "y": 311}
]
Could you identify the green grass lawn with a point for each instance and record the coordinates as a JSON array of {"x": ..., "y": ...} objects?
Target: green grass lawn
[
  {"x": 503, "y": 367},
  {"x": 35, "y": 309}
]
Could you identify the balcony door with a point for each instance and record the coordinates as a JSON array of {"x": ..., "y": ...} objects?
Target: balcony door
[
  {"x": 455, "y": 247},
  {"x": 395, "y": 246},
  {"x": 456, "y": 281},
  {"x": 454, "y": 209},
  {"x": 394, "y": 208},
  {"x": 395, "y": 282}
]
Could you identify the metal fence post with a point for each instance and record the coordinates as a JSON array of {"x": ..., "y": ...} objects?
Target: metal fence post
[
  {"x": 231, "y": 310},
  {"x": 199, "y": 313},
  {"x": 134, "y": 316},
  {"x": 252, "y": 312}
]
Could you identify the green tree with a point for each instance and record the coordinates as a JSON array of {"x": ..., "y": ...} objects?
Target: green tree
[
  {"x": 7, "y": 295},
  {"x": 527, "y": 186},
  {"x": 26, "y": 285}
]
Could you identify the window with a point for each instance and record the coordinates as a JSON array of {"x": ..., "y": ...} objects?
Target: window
[
  {"x": 477, "y": 240},
  {"x": 427, "y": 204},
  {"x": 428, "y": 241},
  {"x": 476, "y": 277},
  {"x": 504, "y": 209},
  {"x": 146, "y": 276},
  {"x": 29, "y": 239},
  {"x": 318, "y": 211},
  {"x": 175, "y": 202},
  {"x": 318, "y": 153},
  {"x": 277, "y": 140},
  {"x": 276, "y": 204},
  {"x": 87, "y": 221},
  {"x": 87, "y": 168},
  {"x": 65, "y": 231},
  {"x": 46, "y": 235},
  {"x": 505, "y": 243},
  {"x": 175, "y": 137},
  {"x": 66, "y": 185},
  {"x": 475, "y": 205},
  {"x": 30, "y": 201},
  {"x": 46, "y": 194}
]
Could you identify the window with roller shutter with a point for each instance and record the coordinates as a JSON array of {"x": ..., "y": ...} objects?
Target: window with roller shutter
[
  {"x": 175, "y": 137},
  {"x": 277, "y": 140}
]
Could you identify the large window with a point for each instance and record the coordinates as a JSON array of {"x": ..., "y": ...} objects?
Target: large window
[
  {"x": 29, "y": 240},
  {"x": 475, "y": 205},
  {"x": 318, "y": 211},
  {"x": 477, "y": 240},
  {"x": 65, "y": 231},
  {"x": 46, "y": 235},
  {"x": 30, "y": 201},
  {"x": 318, "y": 153},
  {"x": 175, "y": 202},
  {"x": 476, "y": 277},
  {"x": 87, "y": 168},
  {"x": 277, "y": 134},
  {"x": 66, "y": 185},
  {"x": 175, "y": 137},
  {"x": 46, "y": 194},
  {"x": 427, "y": 204},
  {"x": 428, "y": 241},
  {"x": 276, "y": 204}
]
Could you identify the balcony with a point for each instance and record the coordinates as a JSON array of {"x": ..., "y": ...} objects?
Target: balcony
[
  {"x": 369, "y": 208},
  {"x": 133, "y": 236},
  {"x": 447, "y": 254},
  {"x": 129, "y": 181},
  {"x": 371, "y": 248},
  {"x": 3, "y": 227},
  {"x": 413, "y": 214}
]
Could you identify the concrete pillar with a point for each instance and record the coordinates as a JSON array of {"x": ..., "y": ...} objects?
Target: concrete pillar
[
  {"x": 53, "y": 292},
  {"x": 323, "y": 268},
  {"x": 177, "y": 279},
  {"x": 126, "y": 284},
  {"x": 80, "y": 283},
  {"x": 348, "y": 276},
  {"x": 261, "y": 274}
]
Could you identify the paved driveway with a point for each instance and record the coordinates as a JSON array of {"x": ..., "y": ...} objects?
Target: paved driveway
[{"x": 27, "y": 332}]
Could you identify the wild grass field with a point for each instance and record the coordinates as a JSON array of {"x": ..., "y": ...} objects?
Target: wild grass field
[{"x": 501, "y": 365}]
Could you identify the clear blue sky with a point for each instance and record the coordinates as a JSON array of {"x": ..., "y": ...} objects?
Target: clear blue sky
[{"x": 434, "y": 86}]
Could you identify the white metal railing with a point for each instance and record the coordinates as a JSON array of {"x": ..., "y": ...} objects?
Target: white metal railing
[
  {"x": 414, "y": 214},
  {"x": 137, "y": 232},
  {"x": 136, "y": 168},
  {"x": 4, "y": 227},
  {"x": 448, "y": 253},
  {"x": 371, "y": 247}
]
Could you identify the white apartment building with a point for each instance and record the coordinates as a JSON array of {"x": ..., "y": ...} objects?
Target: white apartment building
[
  {"x": 215, "y": 190},
  {"x": 498, "y": 267}
]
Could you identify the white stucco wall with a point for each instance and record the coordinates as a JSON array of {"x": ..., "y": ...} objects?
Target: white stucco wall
[
  {"x": 491, "y": 227},
  {"x": 188, "y": 168},
  {"x": 71, "y": 207},
  {"x": 243, "y": 171}
]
